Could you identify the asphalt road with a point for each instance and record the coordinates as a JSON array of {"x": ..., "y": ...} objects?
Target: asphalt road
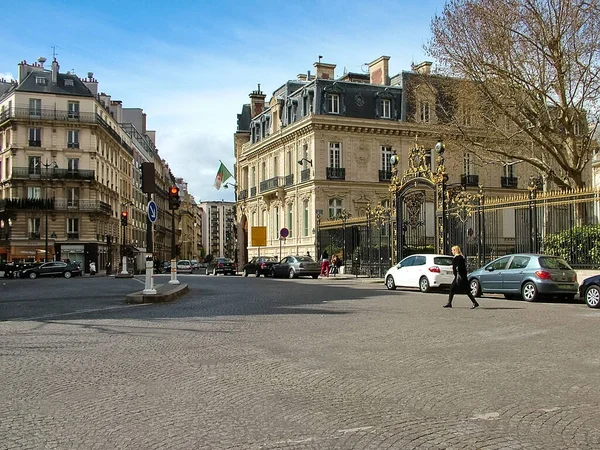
[{"x": 279, "y": 364}]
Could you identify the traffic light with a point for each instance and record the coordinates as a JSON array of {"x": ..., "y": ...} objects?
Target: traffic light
[
  {"x": 124, "y": 218},
  {"x": 174, "y": 200}
]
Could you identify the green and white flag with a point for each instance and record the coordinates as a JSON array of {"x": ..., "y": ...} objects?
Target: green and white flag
[{"x": 222, "y": 175}]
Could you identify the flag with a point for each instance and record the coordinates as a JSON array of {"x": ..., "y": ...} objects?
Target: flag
[{"x": 222, "y": 175}]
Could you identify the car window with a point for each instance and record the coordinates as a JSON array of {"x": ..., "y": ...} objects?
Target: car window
[
  {"x": 304, "y": 259},
  {"x": 500, "y": 264},
  {"x": 442, "y": 260},
  {"x": 407, "y": 262},
  {"x": 419, "y": 261},
  {"x": 519, "y": 262},
  {"x": 552, "y": 262}
]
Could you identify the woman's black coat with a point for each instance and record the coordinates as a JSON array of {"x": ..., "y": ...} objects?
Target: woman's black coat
[{"x": 459, "y": 268}]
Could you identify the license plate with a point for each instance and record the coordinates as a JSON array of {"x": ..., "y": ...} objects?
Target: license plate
[
  {"x": 447, "y": 272},
  {"x": 564, "y": 286}
]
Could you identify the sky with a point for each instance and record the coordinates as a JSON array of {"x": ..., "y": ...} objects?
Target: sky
[{"x": 190, "y": 65}]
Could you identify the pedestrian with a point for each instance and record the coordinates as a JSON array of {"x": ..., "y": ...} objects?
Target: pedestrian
[
  {"x": 92, "y": 268},
  {"x": 460, "y": 284},
  {"x": 325, "y": 264},
  {"x": 308, "y": 253}
]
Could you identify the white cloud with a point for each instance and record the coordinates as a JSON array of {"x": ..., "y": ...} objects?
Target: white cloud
[{"x": 7, "y": 76}]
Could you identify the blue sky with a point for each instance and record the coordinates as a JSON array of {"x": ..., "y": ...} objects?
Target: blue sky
[{"x": 191, "y": 65}]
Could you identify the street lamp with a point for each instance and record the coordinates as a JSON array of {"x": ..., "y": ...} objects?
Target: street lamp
[{"x": 440, "y": 148}]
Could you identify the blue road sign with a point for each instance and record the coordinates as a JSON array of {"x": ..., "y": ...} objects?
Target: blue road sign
[{"x": 152, "y": 211}]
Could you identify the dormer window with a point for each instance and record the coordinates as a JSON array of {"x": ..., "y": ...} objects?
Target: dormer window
[
  {"x": 40, "y": 80},
  {"x": 386, "y": 109},
  {"x": 333, "y": 102},
  {"x": 69, "y": 83},
  {"x": 425, "y": 112}
]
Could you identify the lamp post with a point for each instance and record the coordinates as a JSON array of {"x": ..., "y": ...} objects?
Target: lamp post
[
  {"x": 318, "y": 220},
  {"x": 46, "y": 166},
  {"x": 442, "y": 178},
  {"x": 369, "y": 213}
]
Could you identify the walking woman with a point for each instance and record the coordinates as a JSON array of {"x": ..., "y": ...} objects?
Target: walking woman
[{"x": 460, "y": 284}]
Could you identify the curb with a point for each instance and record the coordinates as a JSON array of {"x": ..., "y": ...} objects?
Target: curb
[{"x": 164, "y": 293}]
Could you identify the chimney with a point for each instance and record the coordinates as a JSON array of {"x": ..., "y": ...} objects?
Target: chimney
[
  {"x": 91, "y": 83},
  {"x": 379, "y": 71},
  {"x": 55, "y": 68},
  {"x": 324, "y": 70},
  {"x": 423, "y": 68},
  {"x": 257, "y": 102},
  {"x": 301, "y": 77}
]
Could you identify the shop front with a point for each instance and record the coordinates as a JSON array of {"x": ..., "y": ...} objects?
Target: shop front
[
  {"x": 28, "y": 254},
  {"x": 75, "y": 253}
]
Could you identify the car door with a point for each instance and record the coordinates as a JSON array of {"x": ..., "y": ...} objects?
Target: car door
[
  {"x": 514, "y": 273},
  {"x": 491, "y": 278},
  {"x": 251, "y": 266},
  {"x": 401, "y": 274},
  {"x": 281, "y": 268},
  {"x": 414, "y": 272}
]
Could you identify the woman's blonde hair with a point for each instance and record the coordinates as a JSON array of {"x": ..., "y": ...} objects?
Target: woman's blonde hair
[{"x": 457, "y": 249}]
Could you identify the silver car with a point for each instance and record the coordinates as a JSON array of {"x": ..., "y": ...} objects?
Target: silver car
[{"x": 527, "y": 276}]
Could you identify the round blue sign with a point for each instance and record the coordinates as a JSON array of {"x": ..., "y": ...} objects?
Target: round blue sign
[
  {"x": 284, "y": 232},
  {"x": 152, "y": 211}
]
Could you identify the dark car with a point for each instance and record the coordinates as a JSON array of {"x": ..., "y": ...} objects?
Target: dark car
[
  {"x": 260, "y": 265},
  {"x": 221, "y": 265},
  {"x": 51, "y": 269},
  {"x": 296, "y": 266},
  {"x": 590, "y": 291},
  {"x": 526, "y": 275}
]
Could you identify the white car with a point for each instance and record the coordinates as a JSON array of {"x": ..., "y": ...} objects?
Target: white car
[
  {"x": 421, "y": 271},
  {"x": 185, "y": 266}
]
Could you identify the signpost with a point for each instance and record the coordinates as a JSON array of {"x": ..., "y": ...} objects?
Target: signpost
[
  {"x": 283, "y": 233},
  {"x": 259, "y": 237},
  {"x": 152, "y": 211}
]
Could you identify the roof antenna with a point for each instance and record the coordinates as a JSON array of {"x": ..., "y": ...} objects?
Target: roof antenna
[
  {"x": 54, "y": 54},
  {"x": 320, "y": 58}
]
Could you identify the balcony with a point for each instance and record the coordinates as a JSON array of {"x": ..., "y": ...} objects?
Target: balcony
[
  {"x": 72, "y": 144},
  {"x": 253, "y": 191},
  {"x": 305, "y": 175},
  {"x": 73, "y": 235},
  {"x": 243, "y": 195},
  {"x": 336, "y": 173},
  {"x": 508, "y": 182},
  {"x": 51, "y": 173},
  {"x": 469, "y": 180},
  {"x": 33, "y": 235},
  {"x": 35, "y": 143},
  {"x": 63, "y": 204},
  {"x": 385, "y": 175},
  {"x": 270, "y": 184},
  {"x": 26, "y": 204},
  {"x": 289, "y": 180}
]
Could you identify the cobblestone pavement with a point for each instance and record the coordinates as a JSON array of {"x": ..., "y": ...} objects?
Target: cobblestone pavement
[{"x": 246, "y": 363}]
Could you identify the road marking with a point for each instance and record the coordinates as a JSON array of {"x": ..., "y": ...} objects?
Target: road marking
[
  {"x": 354, "y": 430},
  {"x": 486, "y": 416},
  {"x": 80, "y": 311}
]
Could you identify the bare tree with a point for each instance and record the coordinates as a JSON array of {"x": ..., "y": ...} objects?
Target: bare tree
[{"x": 533, "y": 68}]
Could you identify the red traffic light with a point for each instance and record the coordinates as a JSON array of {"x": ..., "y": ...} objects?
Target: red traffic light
[
  {"x": 174, "y": 191},
  {"x": 124, "y": 214}
]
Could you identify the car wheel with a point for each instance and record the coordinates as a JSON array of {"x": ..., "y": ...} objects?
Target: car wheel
[
  {"x": 529, "y": 292},
  {"x": 592, "y": 296},
  {"x": 292, "y": 273},
  {"x": 389, "y": 283},
  {"x": 215, "y": 272},
  {"x": 257, "y": 274},
  {"x": 424, "y": 284},
  {"x": 245, "y": 273},
  {"x": 32, "y": 275},
  {"x": 475, "y": 288},
  {"x": 67, "y": 274}
]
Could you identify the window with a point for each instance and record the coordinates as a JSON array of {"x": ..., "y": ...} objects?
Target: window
[
  {"x": 467, "y": 116},
  {"x": 73, "y": 197},
  {"x": 333, "y": 102},
  {"x": 425, "y": 112},
  {"x": 386, "y": 155},
  {"x": 73, "y": 109},
  {"x": 40, "y": 80},
  {"x": 289, "y": 220},
  {"x": 335, "y": 154},
  {"x": 69, "y": 83},
  {"x": 386, "y": 108},
  {"x": 509, "y": 170},
  {"x": 305, "y": 106},
  {"x": 468, "y": 165},
  {"x": 306, "y": 224},
  {"x": 335, "y": 207},
  {"x": 34, "y": 192},
  {"x": 276, "y": 222},
  {"x": 499, "y": 264},
  {"x": 73, "y": 138},
  {"x": 73, "y": 164},
  {"x": 73, "y": 228},
  {"x": 519, "y": 262},
  {"x": 35, "y": 108},
  {"x": 34, "y": 227},
  {"x": 35, "y": 165},
  {"x": 264, "y": 171},
  {"x": 275, "y": 166},
  {"x": 35, "y": 137},
  {"x": 253, "y": 177}
]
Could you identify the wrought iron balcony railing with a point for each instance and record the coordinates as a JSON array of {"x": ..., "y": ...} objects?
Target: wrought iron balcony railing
[
  {"x": 26, "y": 204},
  {"x": 336, "y": 173},
  {"x": 509, "y": 182},
  {"x": 253, "y": 191},
  {"x": 305, "y": 175},
  {"x": 56, "y": 204},
  {"x": 469, "y": 180},
  {"x": 35, "y": 143},
  {"x": 43, "y": 172},
  {"x": 270, "y": 184},
  {"x": 73, "y": 235},
  {"x": 385, "y": 175},
  {"x": 243, "y": 195},
  {"x": 34, "y": 235},
  {"x": 62, "y": 204},
  {"x": 289, "y": 180}
]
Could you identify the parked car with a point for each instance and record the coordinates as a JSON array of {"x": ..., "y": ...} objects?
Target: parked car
[
  {"x": 221, "y": 265},
  {"x": 296, "y": 266},
  {"x": 184, "y": 266},
  {"x": 195, "y": 264},
  {"x": 590, "y": 291},
  {"x": 51, "y": 269},
  {"x": 525, "y": 275},
  {"x": 421, "y": 271},
  {"x": 260, "y": 265}
]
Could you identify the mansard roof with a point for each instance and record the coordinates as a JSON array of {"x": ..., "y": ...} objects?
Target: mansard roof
[{"x": 30, "y": 84}]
